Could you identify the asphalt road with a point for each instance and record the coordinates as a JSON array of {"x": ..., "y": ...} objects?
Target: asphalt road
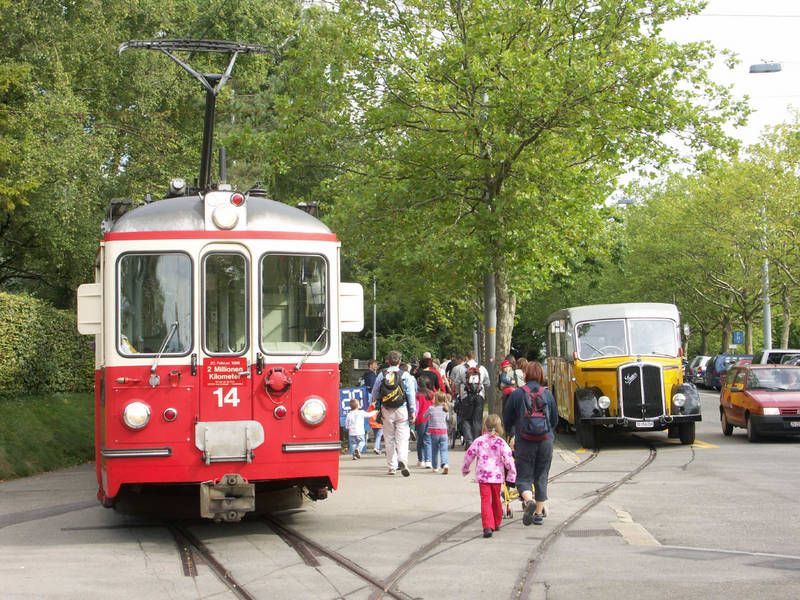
[{"x": 644, "y": 518}]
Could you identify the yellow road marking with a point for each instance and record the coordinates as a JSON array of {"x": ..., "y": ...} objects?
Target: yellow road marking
[{"x": 697, "y": 444}]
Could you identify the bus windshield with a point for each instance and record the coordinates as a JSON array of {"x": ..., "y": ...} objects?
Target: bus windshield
[{"x": 654, "y": 337}]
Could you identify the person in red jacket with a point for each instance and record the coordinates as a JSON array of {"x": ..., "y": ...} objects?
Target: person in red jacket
[{"x": 424, "y": 401}]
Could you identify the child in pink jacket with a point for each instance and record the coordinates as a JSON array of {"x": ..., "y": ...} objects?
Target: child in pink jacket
[{"x": 494, "y": 459}]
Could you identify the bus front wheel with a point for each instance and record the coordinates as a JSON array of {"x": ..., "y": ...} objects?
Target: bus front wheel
[{"x": 585, "y": 432}]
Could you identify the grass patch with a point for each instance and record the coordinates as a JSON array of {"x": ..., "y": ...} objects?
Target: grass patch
[{"x": 43, "y": 433}]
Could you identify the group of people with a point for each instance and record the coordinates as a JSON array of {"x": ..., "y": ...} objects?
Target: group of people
[{"x": 529, "y": 415}]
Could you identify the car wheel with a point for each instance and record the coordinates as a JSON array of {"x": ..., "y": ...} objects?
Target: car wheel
[
  {"x": 727, "y": 428},
  {"x": 686, "y": 431},
  {"x": 752, "y": 434}
]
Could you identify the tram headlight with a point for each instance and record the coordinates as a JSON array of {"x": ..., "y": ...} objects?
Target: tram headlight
[
  {"x": 679, "y": 400},
  {"x": 313, "y": 411},
  {"x": 604, "y": 402},
  {"x": 136, "y": 415},
  {"x": 225, "y": 216}
]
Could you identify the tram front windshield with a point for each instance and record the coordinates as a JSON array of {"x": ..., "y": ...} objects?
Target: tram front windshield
[
  {"x": 155, "y": 292},
  {"x": 652, "y": 337},
  {"x": 293, "y": 304}
]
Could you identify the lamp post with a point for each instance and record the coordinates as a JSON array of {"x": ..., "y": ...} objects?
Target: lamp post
[{"x": 766, "y": 67}]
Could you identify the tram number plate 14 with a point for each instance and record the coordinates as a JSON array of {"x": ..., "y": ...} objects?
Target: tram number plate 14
[{"x": 644, "y": 424}]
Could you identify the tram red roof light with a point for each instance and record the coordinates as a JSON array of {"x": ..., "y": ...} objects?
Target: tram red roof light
[{"x": 237, "y": 199}]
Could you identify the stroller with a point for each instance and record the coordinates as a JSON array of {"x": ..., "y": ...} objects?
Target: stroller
[{"x": 508, "y": 493}]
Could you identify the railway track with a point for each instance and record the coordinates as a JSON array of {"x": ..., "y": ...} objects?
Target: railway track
[{"x": 522, "y": 588}]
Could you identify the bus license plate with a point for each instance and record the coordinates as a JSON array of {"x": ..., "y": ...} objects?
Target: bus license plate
[
  {"x": 644, "y": 424},
  {"x": 794, "y": 423}
]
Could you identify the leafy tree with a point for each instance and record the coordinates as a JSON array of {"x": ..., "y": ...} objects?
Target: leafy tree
[{"x": 492, "y": 131}]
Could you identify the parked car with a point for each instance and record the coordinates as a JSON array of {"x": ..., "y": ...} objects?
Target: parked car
[
  {"x": 697, "y": 369},
  {"x": 764, "y": 399},
  {"x": 717, "y": 367},
  {"x": 775, "y": 356}
]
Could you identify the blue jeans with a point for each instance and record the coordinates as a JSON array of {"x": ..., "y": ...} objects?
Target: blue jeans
[
  {"x": 439, "y": 449},
  {"x": 423, "y": 442},
  {"x": 357, "y": 441},
  {"x": 378, "y": 437}
]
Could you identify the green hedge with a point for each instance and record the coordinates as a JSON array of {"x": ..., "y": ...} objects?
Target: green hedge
[{"x": 41, "y": 350}]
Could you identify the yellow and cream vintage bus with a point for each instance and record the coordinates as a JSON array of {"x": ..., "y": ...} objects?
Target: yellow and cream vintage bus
[{"x": 618, "y": 366}]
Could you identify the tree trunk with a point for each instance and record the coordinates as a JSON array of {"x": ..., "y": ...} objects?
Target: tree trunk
[
  {"x": 506, "y": 309},
  {"x": 748, "y": 337},
  {"x": 786, "y": 303},
  {"x": 726, "y": 336}
]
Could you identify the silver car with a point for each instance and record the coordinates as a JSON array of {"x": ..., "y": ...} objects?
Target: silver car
[{"x": 697, "y": 368}]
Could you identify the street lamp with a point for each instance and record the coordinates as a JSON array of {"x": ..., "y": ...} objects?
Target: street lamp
[{"x": 766, "y": 67}]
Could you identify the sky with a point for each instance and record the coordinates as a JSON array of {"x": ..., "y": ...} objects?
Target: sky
[{"x": 763, "y": 30}]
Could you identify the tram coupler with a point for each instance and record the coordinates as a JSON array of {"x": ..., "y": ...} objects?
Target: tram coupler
[{"x": 227, "y": 499}]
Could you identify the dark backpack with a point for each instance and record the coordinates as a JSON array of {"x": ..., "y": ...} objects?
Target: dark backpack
[
  {"x": 390, "y": 393},
  {"x": 430, "y": 379},
  {"x": 535, "y": 425},
  {"x": 473, "y": 383}
]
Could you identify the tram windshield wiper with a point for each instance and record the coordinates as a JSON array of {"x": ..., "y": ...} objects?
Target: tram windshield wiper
[
  {"x": 155, "y": 379},
  {"x": 310, "y": 350}
]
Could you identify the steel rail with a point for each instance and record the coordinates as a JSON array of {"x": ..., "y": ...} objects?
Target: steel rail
[{"x": 522, "y": 588}]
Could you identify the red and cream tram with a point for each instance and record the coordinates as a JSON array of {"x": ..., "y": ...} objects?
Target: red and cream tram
[{"x": 217, "y": 317}]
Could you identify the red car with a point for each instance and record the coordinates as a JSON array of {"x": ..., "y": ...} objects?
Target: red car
[{"x": 764, "y": 399}]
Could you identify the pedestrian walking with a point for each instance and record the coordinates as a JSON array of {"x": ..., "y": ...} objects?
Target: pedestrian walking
[
  {"x": 439, "y": 415},
  {"x": 394, "y": 394},
  {"x": 471, "y": 381},
  {"x": 532, "y": 413},
  {"x": 506, "y": 381},
  {"x": 494, "y": 465},
  {"x": 377, "y": 428},
  {"x": 424, "y": 401},
  {"x": 354, "y": 423}
]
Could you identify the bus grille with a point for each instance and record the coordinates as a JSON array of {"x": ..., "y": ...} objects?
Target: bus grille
[{"x": 641, "y": 391}]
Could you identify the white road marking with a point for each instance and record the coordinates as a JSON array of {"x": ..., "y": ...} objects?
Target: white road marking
[{"x": 633, "y": 533}]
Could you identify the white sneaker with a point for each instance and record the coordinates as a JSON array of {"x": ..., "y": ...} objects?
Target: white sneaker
[
  {"x": 428, "y": 465},
  {"x": 420, "y": 464},
  {"x": 436, "y": 471},
  {"x": 445, "y": 470}
]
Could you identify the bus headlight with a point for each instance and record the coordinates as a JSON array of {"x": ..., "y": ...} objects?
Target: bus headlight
[
  {"x": 679, "y": 400},
  {"x": 604, "y": 402},
  {"x": 313, "y": 411},
  {"x": 772, "y": 410},
  {"x": 136, "y": 415}
]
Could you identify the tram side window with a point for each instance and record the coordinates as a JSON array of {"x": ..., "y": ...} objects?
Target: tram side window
[
  {"x": 293, "y": 303},
  {"x": 225, "y": 303},
  {"x": 155, "y": 291}
]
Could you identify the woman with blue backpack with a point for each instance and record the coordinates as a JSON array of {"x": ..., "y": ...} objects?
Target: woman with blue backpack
[{"x": 531, "y": 412}]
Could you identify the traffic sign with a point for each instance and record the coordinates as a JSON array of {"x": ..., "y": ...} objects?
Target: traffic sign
[{"x": 738, "y": 337}]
